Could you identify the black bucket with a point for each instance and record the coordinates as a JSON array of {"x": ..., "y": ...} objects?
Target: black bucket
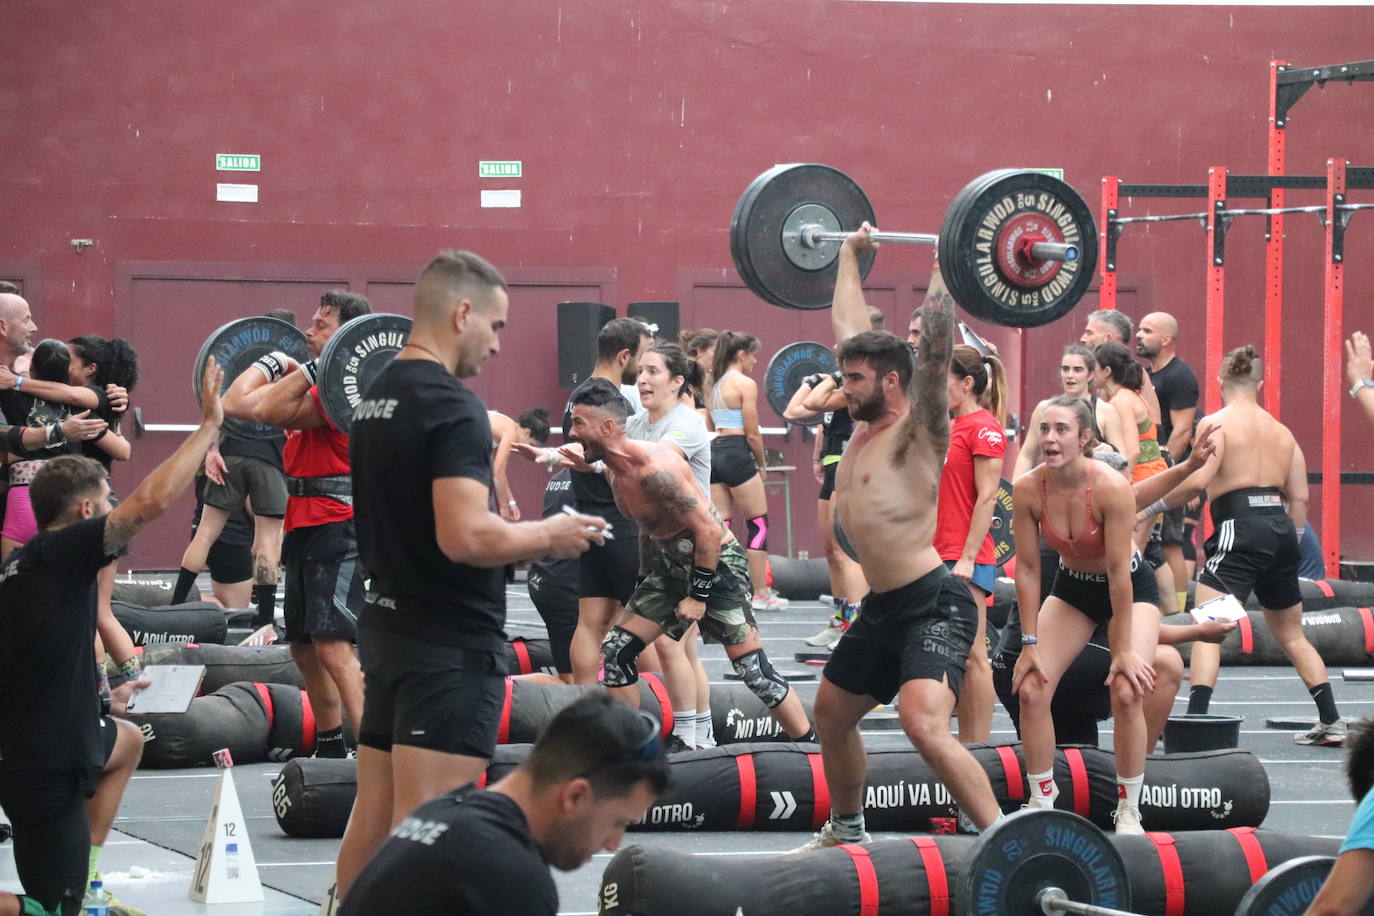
[{"x": 1186, "y": 733}]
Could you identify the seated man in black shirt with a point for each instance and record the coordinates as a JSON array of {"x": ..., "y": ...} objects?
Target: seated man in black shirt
[
  {"x": 56, "y": 750},
  {"x": 594, "y": 772}
]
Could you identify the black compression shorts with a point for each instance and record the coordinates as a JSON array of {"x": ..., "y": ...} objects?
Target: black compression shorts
[
  {"x": 828, "y": 481},
  {"x": 229, "y": 563},
  {"x": 1088, "y": 593},
  {"x": 420, "y": 694},
  {"x": 732, "y": 461},
  {"x": 1253, "y": 547},
  {"x": 609, "y": 571},
  {"x": 923, "y": 630}
]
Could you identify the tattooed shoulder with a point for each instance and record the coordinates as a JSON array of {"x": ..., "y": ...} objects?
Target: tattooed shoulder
[{"x": 664, "y": 489}]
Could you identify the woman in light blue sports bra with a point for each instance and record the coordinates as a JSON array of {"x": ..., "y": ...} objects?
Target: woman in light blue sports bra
[{"x": 737, "y": 455}]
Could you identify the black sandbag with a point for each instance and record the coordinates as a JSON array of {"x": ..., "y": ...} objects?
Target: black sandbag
[
  {"x": 921, "y": 875},
  {"x": 196, "y": 621},
  {"x": 1317, "y": 594},
  {"x": 1003, "y": 600},
  {"x": 292, "y": 729},
  {"x": 737, "y": 715},
  {"x": 1081, "y": 700},
  {"x": 313, "y": 796},
  {"x": 529, "y": 656},
  {"x": 529, "y": 707},
  {"x": 1342, "y": 636},
  {"x": 228, "y": 664},
  {"x": 235, "y": 716},
  {"x": 772, "y": 786},
  {"x": 799, "y": 580},
  {"x": 149, "y": 589}
]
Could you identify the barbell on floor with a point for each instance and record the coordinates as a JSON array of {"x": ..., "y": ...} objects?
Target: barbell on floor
[
  {"x": 1046, "y": 862},
  {"x": 1017, "y": 247}
]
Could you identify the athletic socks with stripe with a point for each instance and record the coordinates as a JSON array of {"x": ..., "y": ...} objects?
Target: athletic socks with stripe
[
  {"x": 706, "y": 730},
  {"x": 331, "y": 743}
]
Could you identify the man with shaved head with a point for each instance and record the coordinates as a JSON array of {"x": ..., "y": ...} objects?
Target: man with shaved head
[
  {"x": 1176, "y": 387},
  {"x": 431, "y": 634}
]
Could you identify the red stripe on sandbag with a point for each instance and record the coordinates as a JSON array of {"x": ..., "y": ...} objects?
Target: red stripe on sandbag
[
  {"x": 1247, "y": 635},
  {"x": 503, "y": 729},
  {"x": 748, "y": 789},
  {"x": 307, "y": 723},
  {"x": 266, "y": 702},
  {"x": 522, "y": 656},
  {"x": 482, "y": 780},
  {"x": 868, "y": 879},
  {"x": 1254, "y": 853},
  {"x": 936, "y": 879},
  {"x": 1171, "y": 869},
  {"x": 1325, "y": 587},
  {"x": 665, "y": 703},
  {"x": 193, "y": 645},
  {"x": 820, "y": 791},
  {"x": 1078, "y": 774},
  {"x": 1367, "y": 620},
  {"x": 138, "y": 650},
  {"x": 1016, "y": 786}
]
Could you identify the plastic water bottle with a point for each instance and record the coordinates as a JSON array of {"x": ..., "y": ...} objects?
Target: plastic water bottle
[{"x": 97, "y": 901}]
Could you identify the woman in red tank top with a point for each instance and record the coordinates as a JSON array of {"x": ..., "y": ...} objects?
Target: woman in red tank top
[{"x": 1087, "y": 513}]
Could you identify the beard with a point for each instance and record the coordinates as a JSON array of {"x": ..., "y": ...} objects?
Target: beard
[
  {"x": 591, "y": 451},
  {"x": 869, "y": 409},
  {"x": 1142, "y": 350}
]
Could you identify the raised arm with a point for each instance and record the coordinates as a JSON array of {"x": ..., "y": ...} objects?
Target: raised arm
[
  {"x": 1193, "y": 485},
  {"x": 288, "y": 404},
  {"x": 929, "y": 390},
  {"x": 170, "y": 479},
  {"x": 1154, "y": 489},
  {"x": 849, "y": 312}
]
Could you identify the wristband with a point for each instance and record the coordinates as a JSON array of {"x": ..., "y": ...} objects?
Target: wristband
[
  {"x": 309, "y": 369},
  {"x": 700, "y": 583},
  {"x": 1029, "y": 640},
  {"x": 272, "y": 365},
  {"x": 512, "y": 503},
  {"x": 131, "y": 667},
  {"x": 812, "y": 380},
  {"x": 56, "y": 435},
  {"x": 1156, "y": 507},
  {"x": 18, "y": 382}
]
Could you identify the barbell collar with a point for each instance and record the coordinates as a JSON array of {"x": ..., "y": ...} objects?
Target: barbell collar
[
  {"x": 1054, "y": 251},
  {"x": 1053, "y": 901}
]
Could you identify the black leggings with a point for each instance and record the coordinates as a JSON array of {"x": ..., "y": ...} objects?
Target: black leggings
[{"x": 52, "y": 836}]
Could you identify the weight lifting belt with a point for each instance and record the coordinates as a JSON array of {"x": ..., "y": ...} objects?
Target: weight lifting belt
[{"x": 338, "y": 488}]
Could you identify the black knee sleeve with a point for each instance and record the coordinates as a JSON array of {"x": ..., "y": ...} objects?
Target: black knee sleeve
[
  {"x": 619, "y": 651},
  {"x": 758, "y": 675}
]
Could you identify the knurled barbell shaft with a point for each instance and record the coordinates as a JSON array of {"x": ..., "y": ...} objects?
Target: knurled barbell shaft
[
  {"x": 812, "y": 235},
  {"x": 1053, "y": 901}
]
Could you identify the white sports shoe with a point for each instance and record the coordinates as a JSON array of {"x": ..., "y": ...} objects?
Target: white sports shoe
[
  {"x": 1332, "y": 735},
  {"x": 1127, "y": 818},
  {"x": 768, "y": 601},
  {"x": 826, "y": 838}
]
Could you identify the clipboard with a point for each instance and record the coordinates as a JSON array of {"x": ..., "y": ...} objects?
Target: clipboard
[
  {"x": 1227, "y": 607},
  {"x": 172, "y": 690}
]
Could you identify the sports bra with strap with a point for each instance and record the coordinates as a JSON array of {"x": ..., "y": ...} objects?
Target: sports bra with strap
[{"x": 1091, "y": 543}]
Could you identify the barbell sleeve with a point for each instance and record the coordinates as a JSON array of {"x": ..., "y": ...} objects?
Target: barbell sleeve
[
  {"x": 812, "y": 236},
  {"x": 1054, "y": 901}
]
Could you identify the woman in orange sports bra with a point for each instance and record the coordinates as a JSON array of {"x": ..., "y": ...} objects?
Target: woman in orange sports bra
[
  {"x": 1086, "y": 512},
  {"x": 1119, "y": 380}
]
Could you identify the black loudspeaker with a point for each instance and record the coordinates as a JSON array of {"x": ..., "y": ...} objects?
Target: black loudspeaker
[
  {"x": 662, "y": 314},
  {"x": 578, "y": 324}
]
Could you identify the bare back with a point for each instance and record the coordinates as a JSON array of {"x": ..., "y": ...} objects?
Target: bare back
[{"x": 1254, "y": 449}]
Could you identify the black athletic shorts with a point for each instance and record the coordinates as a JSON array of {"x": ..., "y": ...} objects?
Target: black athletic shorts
[
  {"x": 557, "y": 607},
  {"x": 229, "y": 563},
  {"x": 324, "y": 582},
  {"x": 1153, "y": 550},
  {"x": 1171, "y": 530},
  {"x": 421, "y": 694},
  {"x": 258, "y": 481},
  {"x": 923, "y": 630},
  {"x": 1253, "y": 547},
  {"x": 828, "y": 480},
  {"x": 609, "y": 571},
  {"x": 1088, "y": 593},
  {"x": 1190, "y": 519},
  {"x": 732, "y": 461}
]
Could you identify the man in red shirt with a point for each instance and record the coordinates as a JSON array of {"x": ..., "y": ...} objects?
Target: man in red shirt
[{"x": 324, "y": 580}]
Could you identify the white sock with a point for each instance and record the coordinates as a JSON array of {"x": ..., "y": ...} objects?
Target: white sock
[
  {"x": 706, "y": 730},
  {"x": 1042, "y": 785},
  {"x": 1128, "y": 790},
  {"x": 685, "y": 726}
]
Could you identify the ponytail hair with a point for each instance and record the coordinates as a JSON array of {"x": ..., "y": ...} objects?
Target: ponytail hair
[
  {"x": 989, "y": 378},
  {"x": 1242, "y": 368},
  {"x": 1122, "y": 364},
  {"x": 728, "y": 346},
  {"x": 51, "y": 361}
]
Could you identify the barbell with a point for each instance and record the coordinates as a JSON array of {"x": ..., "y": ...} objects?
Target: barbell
[
  {"x": 1047, "y": 862},
  {"x": 352, "y": 357},
  {"x": 1017, "y": 247}
]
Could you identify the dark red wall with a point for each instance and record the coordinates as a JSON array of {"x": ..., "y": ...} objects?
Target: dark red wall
[{"x": 638, "y": 126}]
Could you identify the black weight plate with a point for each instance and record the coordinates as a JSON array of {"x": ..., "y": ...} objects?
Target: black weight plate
[
  {"x": 970, "y": 261},
  {"x": 1030, "y": 850},
  {"x": 352, "y": 358},
  {"x": 1287, "y": 888},
  {"x": 235, "y": 346},
  {"x": 1003, "y": 544},
  {"x": 788, "y": 367},
  {"x": 756, "y": 232}
]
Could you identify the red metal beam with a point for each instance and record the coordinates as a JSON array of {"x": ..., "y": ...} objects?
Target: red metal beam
[
  {"x": 1216, "y": 288},
  {"x": 1333, "y": 372},
  {"x": 1273, "y": 253},
  {"x": 1106, "y": 294}
]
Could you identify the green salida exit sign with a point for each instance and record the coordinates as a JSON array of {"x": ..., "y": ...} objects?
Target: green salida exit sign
[
  {"x": 237, "y": 162},
  {"x": 500, "y": 169}
]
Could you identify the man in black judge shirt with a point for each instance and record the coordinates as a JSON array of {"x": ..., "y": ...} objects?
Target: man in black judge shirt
[
  {"x": 63, "y": 764},
  {"x": 431, "y": 635}
]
